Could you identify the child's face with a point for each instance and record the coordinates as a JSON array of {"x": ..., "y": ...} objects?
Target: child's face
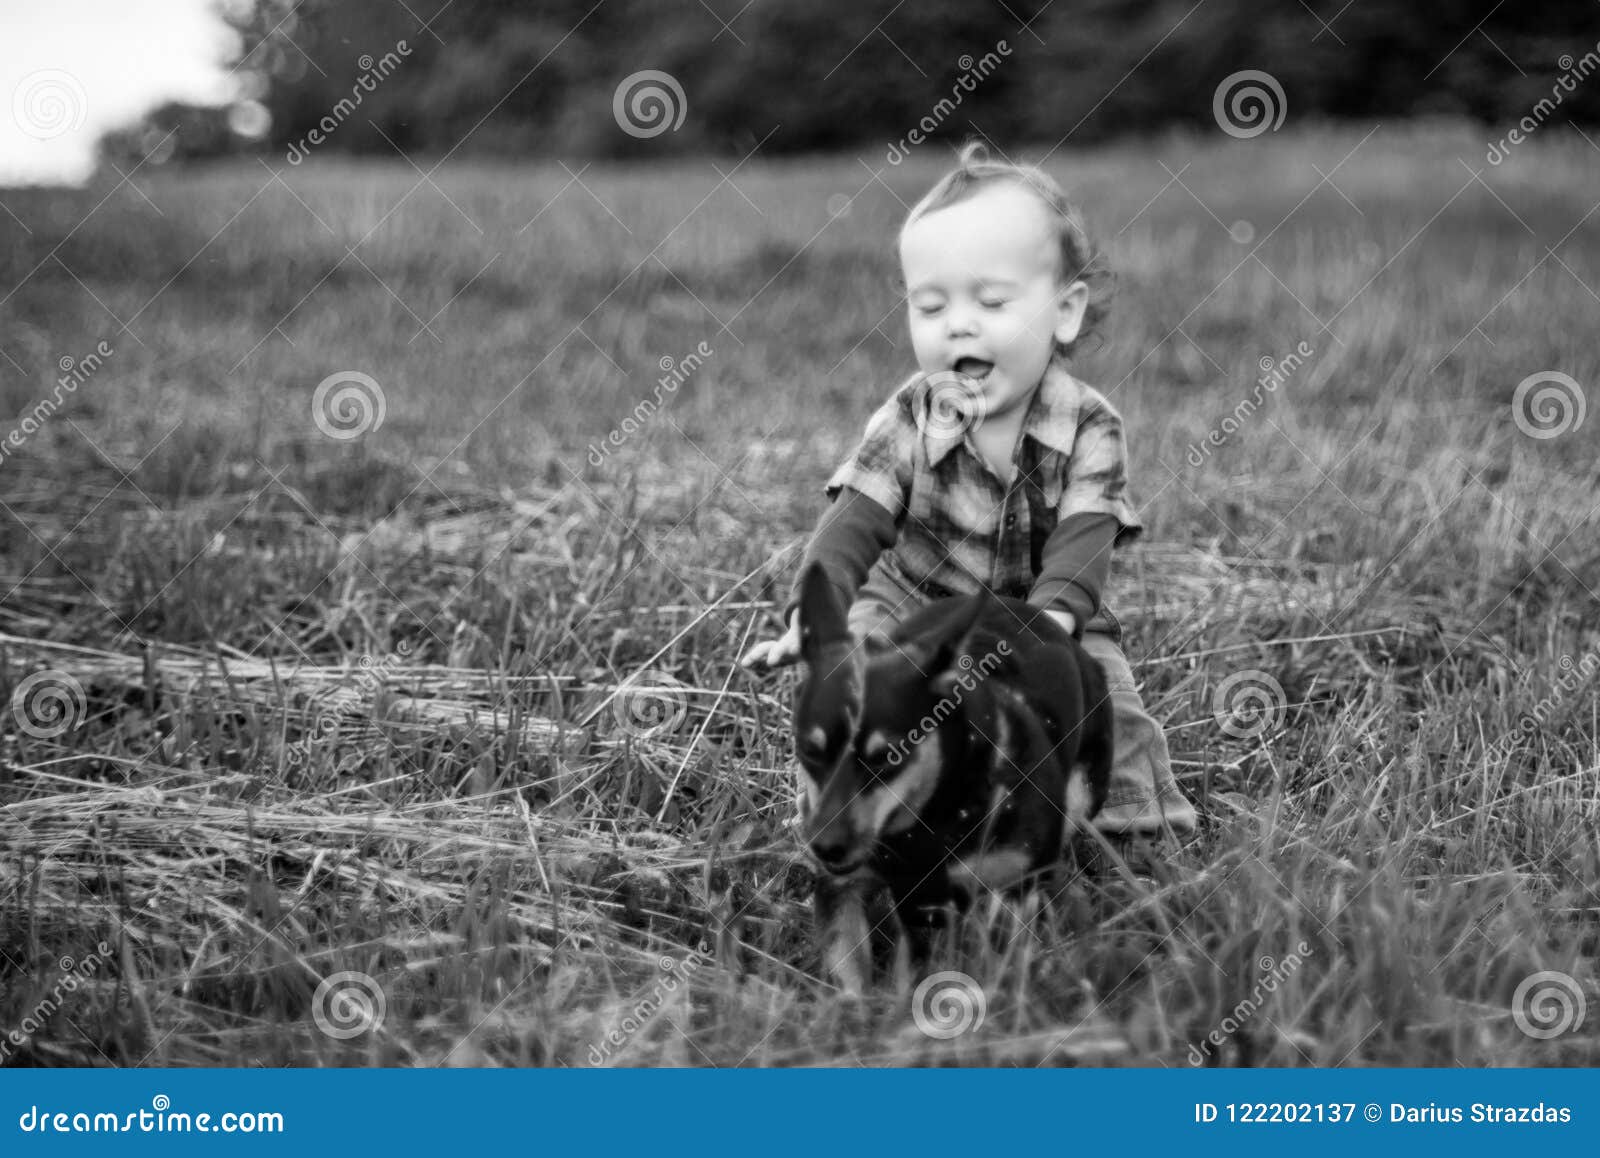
[{"x": 986, "y": 295}]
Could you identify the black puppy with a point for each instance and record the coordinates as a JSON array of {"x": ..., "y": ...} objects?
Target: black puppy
[{"x": 949, "y": 759}]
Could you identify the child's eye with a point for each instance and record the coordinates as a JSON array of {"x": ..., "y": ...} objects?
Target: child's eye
[
  {"x": 927, "y": 310},
  {"x": 993, "y": 303}
]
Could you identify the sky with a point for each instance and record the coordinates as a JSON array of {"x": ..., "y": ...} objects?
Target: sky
[{"x": 70, "y": 69}]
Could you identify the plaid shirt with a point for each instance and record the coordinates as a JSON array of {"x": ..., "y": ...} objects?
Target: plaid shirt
[{"x": 960, "y": 528}]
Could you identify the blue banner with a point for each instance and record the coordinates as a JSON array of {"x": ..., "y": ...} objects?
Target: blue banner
[{"x": 800, "y": 1112}]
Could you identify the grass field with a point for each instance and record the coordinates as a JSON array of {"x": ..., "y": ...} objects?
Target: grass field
[{"x": 428, "y": 746}]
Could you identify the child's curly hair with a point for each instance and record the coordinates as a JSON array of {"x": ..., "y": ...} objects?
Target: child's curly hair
[{"x": 1080, "y": 259}]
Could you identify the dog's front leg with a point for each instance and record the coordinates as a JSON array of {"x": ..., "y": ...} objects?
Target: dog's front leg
[
  {"x": 842, "y": 929},
  {"x": 918, "y": 925}
]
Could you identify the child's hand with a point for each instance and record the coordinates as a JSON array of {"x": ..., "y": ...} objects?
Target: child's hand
[{"x": 780, "y": 652}]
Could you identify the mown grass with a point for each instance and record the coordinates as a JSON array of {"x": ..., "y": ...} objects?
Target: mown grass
[{"x": 1380, "y": 539}]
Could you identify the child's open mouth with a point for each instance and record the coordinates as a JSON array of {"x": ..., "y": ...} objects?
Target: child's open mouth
[{"x": 975, "y": 368}]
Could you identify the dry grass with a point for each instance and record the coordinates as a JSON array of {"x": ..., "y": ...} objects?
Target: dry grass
[{"x": 453, "y": 706}]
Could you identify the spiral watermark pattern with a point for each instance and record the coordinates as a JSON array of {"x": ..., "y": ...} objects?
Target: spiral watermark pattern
[
  {"x": 1249, "y": 704},
  {"x": 48, "y": 103},
  {"x": 1548, "y": 1004},
  {"x": 948, "y": 1004},
  {"x": 947, "y": 405},
  {"x": 650, "y": 703},
  {"x": 649, "y": 103},
  {"x": 48, "y": 704},
  {"x": 1249, "y": 103},
  {"x": 347, "y": 404},
  {"x": 1548, "y": 404},
  {"x": 348, "y": 1004}
]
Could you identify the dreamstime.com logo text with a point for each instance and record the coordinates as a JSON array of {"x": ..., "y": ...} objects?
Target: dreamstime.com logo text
[
  {"x": 371, "y": 676},
  {"x": 74, "y": 373},
  {"x": 1273, "y": 375},
  {"x": 673, "y": 974},
  {"x": 965, "y": 682},
  {"x": 160, "y": 1118},
  {"x": 1573, "y": 72},
  {"x": 972, "y": 73},
  {"x": 73, "y": 974},
  {"x": 372, "y": 72},
  {"x": 1575, "y": 675},
  {"x": 1275, "y": 974},
  {"x": 676, "y": 373}
]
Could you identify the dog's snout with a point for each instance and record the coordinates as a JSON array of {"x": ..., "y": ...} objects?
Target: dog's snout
[{"x": 832, "y": 849}]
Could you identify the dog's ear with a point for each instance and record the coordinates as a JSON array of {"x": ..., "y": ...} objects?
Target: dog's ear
[
  {"x": 945, "y": 666},
  {"x": 823, "y": 619}
]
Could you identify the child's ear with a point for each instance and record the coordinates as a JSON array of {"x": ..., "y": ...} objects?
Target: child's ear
[{"x": 1072, "y": 302}]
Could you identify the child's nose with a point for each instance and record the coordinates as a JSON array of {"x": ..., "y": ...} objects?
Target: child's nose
[{"x": 960, "y": 321}]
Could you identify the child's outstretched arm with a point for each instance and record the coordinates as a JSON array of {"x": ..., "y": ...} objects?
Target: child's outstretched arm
[
  {"x": 850, "y": 536},
  {"x": 1074, "y": 567},
  {"x": 1094, "y": 514}
]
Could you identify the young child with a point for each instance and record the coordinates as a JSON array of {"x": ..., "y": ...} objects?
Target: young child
[{"x": 993, "y": 467}]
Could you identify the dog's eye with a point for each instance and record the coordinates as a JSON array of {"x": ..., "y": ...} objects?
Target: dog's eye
[
  {"x": 884, "y": 759},
  {"x": 812, "y": 744}
]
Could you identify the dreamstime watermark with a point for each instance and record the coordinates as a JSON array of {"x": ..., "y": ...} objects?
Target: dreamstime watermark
[
  {"x": 346, "y": 404},
  {"x": 1249, "y": 103},
  {"x": 1575, "y": 674},
  {"x": 1573, "y": 72},
  {"x": 74, "y": 373},
  {"x": 649, "y": 103},
  {"x": 348, "y": 1004},
  {"x": 650, "y": 703},
  {"x": 1276, "y": 973},
  {"x": 1249, "y": 704},
  {"x": 673, "y": 974},
  {"x": 948, "y": 1004},
  {"x": 1548, "y": 404},
  {"x": 155, "y": 1120},
  {"x": 48, "y": 103},
  {"x": 373, "y": 72},
  {"x": 675, "y": 373},
  {"x": 1273, "y": 375},
  {"x": 371, "y": 676},
  {"x": 1548, "y": 1004},
  {"x": 941, "y": 711},
  {"x": 48, "y": 704},
  {"x": 73, "y": 974},
  {"x": 946, "y": 404},
  {"x": 973, "y": 72}
]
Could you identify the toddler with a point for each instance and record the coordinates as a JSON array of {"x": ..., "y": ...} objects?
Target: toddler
[{"x": 993, "y": 467}]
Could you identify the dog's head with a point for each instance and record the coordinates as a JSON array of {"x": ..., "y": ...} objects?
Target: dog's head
[{"x": 862, "y": 720}]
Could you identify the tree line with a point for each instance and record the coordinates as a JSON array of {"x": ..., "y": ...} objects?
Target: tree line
[{"x": 552, "y": 77}]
